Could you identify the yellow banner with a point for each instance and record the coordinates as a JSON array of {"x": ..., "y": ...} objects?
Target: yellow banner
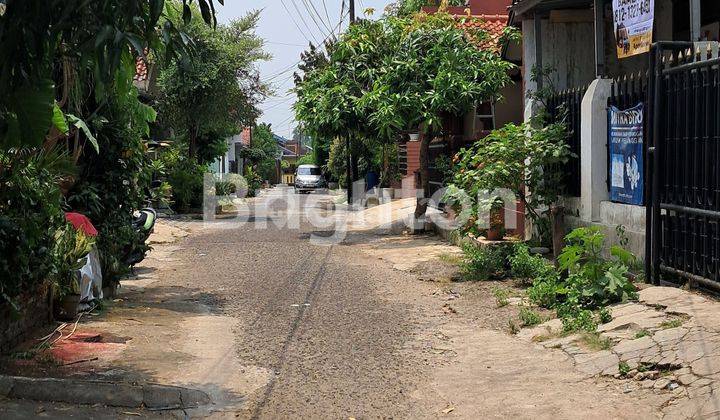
[{"x": 633, "y": 26}]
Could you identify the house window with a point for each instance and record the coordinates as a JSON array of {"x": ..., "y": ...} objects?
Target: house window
[{"x": 485, "y": 117}]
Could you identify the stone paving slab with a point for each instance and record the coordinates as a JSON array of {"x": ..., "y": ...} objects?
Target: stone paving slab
[
  {"x": 666, "y": 343},
  {"x": 114, "y": 394}
]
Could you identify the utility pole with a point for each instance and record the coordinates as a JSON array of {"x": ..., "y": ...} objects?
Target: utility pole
[{"x": 348, "y": 159}]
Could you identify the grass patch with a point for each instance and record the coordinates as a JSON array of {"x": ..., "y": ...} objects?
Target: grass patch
[
  {"x": 501, "y": 296},
  {"x": 672, "y": 323},
  {"x": 529, "y": 317},
  {"x": 595, "y": 341},
  {"x": 450, "y": 259},
  {"x": 641, "y": 334}
]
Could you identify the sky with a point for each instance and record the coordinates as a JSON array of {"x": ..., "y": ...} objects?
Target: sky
[{"x": 287, "y": 26}]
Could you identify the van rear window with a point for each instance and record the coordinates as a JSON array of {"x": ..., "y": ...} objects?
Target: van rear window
[{"x": 308, "y": 171}]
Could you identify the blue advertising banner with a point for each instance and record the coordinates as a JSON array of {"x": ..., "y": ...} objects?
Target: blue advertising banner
[{"x": 625, "y": 141}]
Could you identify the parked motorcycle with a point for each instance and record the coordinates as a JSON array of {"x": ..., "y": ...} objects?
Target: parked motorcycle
[{"x": 143, "y": 224}]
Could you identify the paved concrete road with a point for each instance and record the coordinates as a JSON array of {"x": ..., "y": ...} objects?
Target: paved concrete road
[{"x": 314, "y": 315}]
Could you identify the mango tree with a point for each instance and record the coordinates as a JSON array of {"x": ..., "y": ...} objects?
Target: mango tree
[{"x": 433, "y": 68}]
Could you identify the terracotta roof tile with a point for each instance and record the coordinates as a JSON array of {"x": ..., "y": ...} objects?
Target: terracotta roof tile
[{"x": 493, "y": 25}]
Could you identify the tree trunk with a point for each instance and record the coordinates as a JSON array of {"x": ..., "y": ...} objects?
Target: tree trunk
[
  {"x": 192, "y": 143},
  {"x": 384, "y": 180},
  {"x": 557, "y": 221},
  {"x": 424, "y": 184}
]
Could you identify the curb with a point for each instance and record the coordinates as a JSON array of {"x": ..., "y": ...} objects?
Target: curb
[{"x": 114, "y": 394}]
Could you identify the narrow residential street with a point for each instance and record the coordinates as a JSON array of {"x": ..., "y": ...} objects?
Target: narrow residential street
[{"x": 271, "y": 326}]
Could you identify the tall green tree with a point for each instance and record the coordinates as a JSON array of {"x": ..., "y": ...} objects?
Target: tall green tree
[
  {"x": 408, "y": 7},
  {"x": 215, "y": 94},
  {"x": 264, "y": 142},
  {"x": 437, "y": 69},
  {"x": 401, "y": 73},
  {"x": 51, "y": 49}
]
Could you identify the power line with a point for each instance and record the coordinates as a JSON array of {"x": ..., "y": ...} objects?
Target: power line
[
  {"x": 312, "y": 6},
  {"x": 284, "y": 43},
  {"x": 279, "y": 103},
  {"x": 327, "y": 15},
  {"x": 321, "y": 45},
  {"x": 295, "y": 22},
  {"x": 302, "y": 18}
]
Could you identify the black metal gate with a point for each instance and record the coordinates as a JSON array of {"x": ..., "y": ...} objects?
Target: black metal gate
[{"x": 684, "y": 158}]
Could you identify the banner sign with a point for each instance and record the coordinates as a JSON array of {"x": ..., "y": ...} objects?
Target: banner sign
[
  {"x": 625, "y": 144},
  {"x": 633, "y": 26}
]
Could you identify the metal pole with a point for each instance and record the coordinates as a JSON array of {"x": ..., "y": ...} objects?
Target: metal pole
[
  {"x": 656, "y": 162},
  {"x": 695, "y": 20},
  {"x": 599, "y": 38},
  {"x": 538, "y": 49},
  {"x": 348, "y": 160}
]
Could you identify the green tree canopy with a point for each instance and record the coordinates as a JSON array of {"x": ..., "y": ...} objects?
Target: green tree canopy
[
  {"x": 50, "y": 49},
  {"x": 215, "y": 94},
  {"x": 264, "y": 143},
  {"x": 400, "y": 73}
]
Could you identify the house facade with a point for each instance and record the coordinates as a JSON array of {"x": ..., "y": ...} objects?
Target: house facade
[
  {"x": 599, "y": 71},
  {"x": 231, "y": 162},
  {"x": 461, "y": 131}
]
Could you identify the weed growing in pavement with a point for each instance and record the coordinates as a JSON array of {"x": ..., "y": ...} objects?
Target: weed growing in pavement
[
  {"x": 578, "y": 320},
  {"x": 529, "y": 317},
  {"x": 501, "y": 296},
  {"x": 605, "y": 315},
  {"x": 513, "y": 326},
  {"x": 624, "y": 368},
  {"x": 595, "y": 342},
  {"x": 585, "y": 281},
  {"x": 673, "y": 323},
  {"x": 641, "y": 334}
]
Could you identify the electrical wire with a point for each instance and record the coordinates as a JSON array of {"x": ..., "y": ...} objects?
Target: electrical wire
[
  {"x": 302, "y": 19},
  {"x": 308, "y": 6},
  {"x": 321, "y": 45},
  {"x": 296, "y": 24}
]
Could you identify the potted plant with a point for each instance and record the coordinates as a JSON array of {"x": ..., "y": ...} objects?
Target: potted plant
[
  {"x": 71, "y": 249},
  {"x": 496, "y": 231}
]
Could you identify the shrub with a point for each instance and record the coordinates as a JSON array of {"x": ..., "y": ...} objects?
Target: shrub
[
  {"x": 501, "y": 296},
  {"x": 545, "y": 290},
  {"x": 30, "y": 214},
  {"x": 114, "y": 183},
  {"x": 185, "y": 176},
  {"x": 577, "y": 319},
  {"x": 529, "y": 317},
  {"x": 482, "y": 262},
  {"x": 527, "y": 267},
  {"x": 224, "y": 188},
  {"x": 592, "y": 280}
]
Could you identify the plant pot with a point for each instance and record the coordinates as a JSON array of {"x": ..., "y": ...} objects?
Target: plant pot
[
  {"x": 414, "y": 136},
  {"x": 386, "y": 194},
  {"x": 110, "y": 290},
  {"x": 496, "y": 232},
  {"x": 68, "y": 307}
]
